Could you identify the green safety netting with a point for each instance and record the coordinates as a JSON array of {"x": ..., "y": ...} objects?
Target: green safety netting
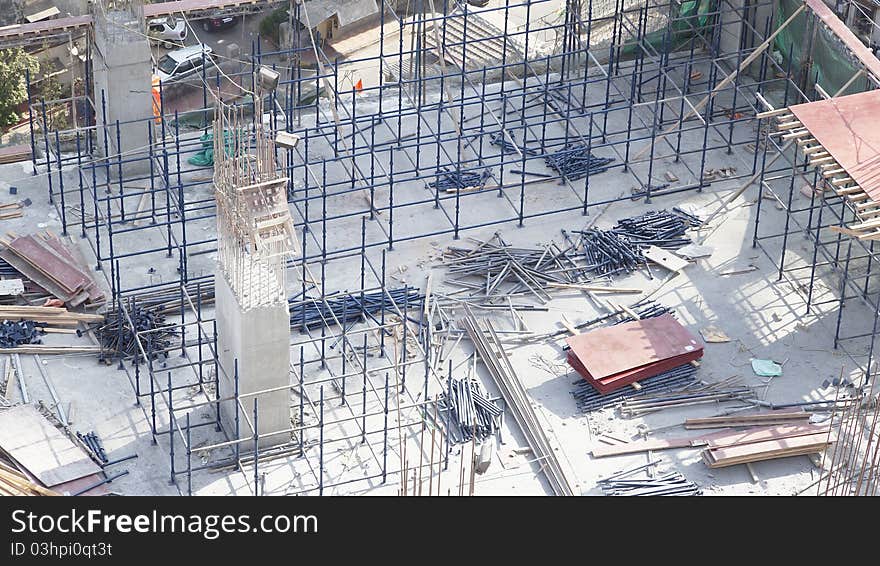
[
  {"x": 693, "y": 17},
  {"x": 814, "y": 49}
]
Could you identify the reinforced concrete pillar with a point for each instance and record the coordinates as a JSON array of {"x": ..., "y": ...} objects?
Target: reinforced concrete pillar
[{"x": 259, "y": 338}]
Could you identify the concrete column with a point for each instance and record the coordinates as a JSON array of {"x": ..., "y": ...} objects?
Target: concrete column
[
  {"x": 259, "y": 338},
  {"x": 123, "y": 71}
]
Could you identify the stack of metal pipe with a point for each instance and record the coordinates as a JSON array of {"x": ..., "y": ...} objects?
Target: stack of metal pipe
[
  {"x": 659, "y": 228},
  {"x": 574, "y": 161},
  {"x": 676, "y": 379},
  {"x": 349, "y": 307},
  {"x": 671, "y": 483},
  {"x": 457, "y": 180},
  {"x": 468, "y": 411}
]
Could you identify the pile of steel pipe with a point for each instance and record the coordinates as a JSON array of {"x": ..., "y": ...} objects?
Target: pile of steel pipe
[
  {"x": 167, "y": 301},
  {"x": 671, "y": 483},
  {"x": 659, "y": 228},
  {"x": 574, "y": 161},
  {"x": 349, "y": 307},
  {"x": 468, "y": 412},
  {"x": 645, "y": 309},
  {"x": 498, "y": 270},
  {"x": 94, "y": 444},
  {"x": 723, "y": 391},
  {"x": 676, "y": 379},
  {"x": 608, "y": 252},
  {"x": 116, "y": 335},
  {"x": 454, "y": 180},
  {"x": 517, "y": 401}
]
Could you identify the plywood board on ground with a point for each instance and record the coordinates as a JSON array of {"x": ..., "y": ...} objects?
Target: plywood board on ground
[
  {"x": 608, "y": 351},
  {"x": 35, "y": 443}
]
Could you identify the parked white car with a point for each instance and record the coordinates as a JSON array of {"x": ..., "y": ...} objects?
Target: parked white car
[
  {"x": 167, "y": 29},
  {"x": 182, "y": 63}
]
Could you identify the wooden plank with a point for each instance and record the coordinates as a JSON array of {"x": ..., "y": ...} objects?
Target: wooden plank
[
  {"x": 643, "y": 446},
  {"x": 35, "y": 443},
  {"x": 45, "y": 349},
  {"x": 733, "y": 437},
  {"x": 51, "y": 287}
]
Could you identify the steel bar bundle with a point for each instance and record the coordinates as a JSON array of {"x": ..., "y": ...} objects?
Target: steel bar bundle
[
  {"x": 588, "y": 399},
  {"x": 670, "y": 483},
  {"x": 117, "y": 336},
  {"x": 659, "y": 228},
  {"x": 574, "y": 161},
  {"x": 454, "y": 180},
  {"x": 94, "y": 444},
  {"x": 502, "y": 270},
  {"x": 468, "y": 412},
  {"x": 608, "y": 252},
  {"x": 168, "y": 301},
  {"x": 517, "y": 401},
  {"x": 723, "y": 391},
  {"x": 350, "y": 307}
]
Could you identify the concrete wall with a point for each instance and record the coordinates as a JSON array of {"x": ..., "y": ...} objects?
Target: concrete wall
[
  {"x": 123, "y": 71},
  {"x": 260, "y": 339}
]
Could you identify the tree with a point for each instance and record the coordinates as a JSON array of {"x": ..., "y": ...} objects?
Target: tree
[{"x": 13, "y": 86}]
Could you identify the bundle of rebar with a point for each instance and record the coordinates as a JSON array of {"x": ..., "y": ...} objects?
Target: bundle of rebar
[
  {"x": 349, "y": 307},
  {"x": 574, "y": 161},
  {"x": 15, "y": 333},
  {"x": 468, "y": 412},
  {"x": 726, "y": 390},
  {"x": 457, "y": 180},
  {"x": 168, "y": 300},
  {"x": 645, "y": 309},
  {"x": 676, "y": 379},
  {"x": 117, "y": 336},
  {"x": 608, "y": 252},
  {"x": 517, "y": 402},
  {"x": 670, "y": 483},
  {"x": 659, "y": 228}
]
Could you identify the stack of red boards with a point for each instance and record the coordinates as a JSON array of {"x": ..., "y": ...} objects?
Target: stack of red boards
[{"x": 613, "y": 357}]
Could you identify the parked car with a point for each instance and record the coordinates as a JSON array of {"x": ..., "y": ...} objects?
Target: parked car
[
  {"x": 219, "y": 21},
  {"x": 167, "y": 29},
  {"x": 182, "y": 63}
]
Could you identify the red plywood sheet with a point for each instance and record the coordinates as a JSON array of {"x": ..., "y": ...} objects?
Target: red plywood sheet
[
  {"x": 48, "y": 262},
  {"x": 608, "y": 351},
  {"x": 847, "y": 127},
  {"x": 622, "y": 379}
]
